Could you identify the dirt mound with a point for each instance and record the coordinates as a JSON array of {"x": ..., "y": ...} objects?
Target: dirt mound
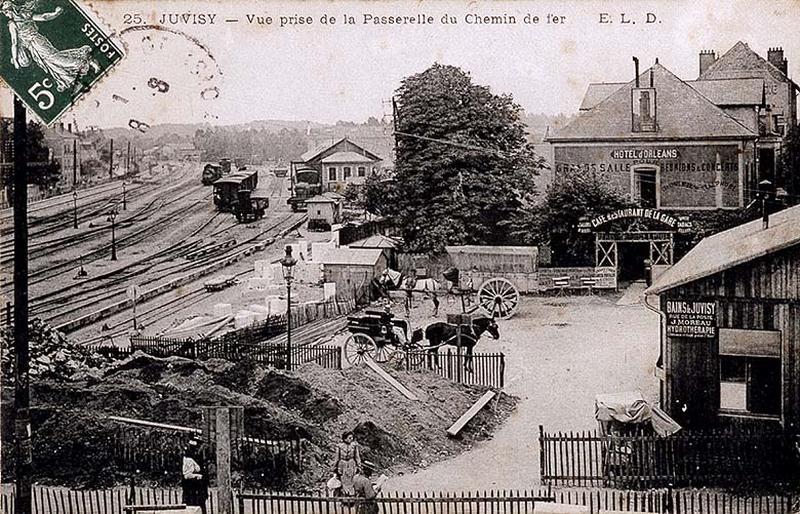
[
  {"x": 71, "y": 418},
  {"x": 295, "y": 394}
]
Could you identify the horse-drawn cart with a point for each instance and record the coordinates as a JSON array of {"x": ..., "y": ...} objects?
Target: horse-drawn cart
[{"x": 377, "y": 335}]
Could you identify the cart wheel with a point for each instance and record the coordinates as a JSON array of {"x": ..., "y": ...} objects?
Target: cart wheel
[
  {"x": 383, "y": 353},
  {"x": 499, "y": 298},
  {"x": 358, "y": 347}
]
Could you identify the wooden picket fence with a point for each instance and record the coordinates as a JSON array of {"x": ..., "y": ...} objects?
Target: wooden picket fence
[
  {"x": 268, "y": 354},
  {"x": 686, "y": 458},
  {"x": 161, "y": 450},
  {"x": 488, "y": 369},
  {"x": 56, "y": 500},
  {"x": 249, "y": 342}
]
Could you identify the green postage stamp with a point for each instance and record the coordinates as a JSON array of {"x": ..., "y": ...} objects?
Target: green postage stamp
[{"x": 51, "y": 53}]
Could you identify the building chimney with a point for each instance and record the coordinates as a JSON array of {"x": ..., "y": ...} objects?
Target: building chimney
[
  {"x": 651, "y": 77},
  {"x": 707, "y": 58},
  {"x": 636, "y": 66},
  {"x": 775, "y": 58}
]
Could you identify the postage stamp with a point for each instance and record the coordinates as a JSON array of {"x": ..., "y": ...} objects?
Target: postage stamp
[{"x": 52, "y": 52}]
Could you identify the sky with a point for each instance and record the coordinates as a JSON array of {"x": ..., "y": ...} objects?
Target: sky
[{"x": 235, "y": 72}]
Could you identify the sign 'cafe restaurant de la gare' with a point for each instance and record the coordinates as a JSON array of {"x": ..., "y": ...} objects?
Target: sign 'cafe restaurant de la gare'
[{"x": 672, "y": 148}]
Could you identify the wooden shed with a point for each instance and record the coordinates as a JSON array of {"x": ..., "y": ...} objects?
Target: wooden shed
[
  {"x": 731, "y": 327},
  {"x": 352, "y": 268},
  {"x": 387, "y": 244}
]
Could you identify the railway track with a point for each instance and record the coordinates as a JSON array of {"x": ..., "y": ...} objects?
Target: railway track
[
  {"x": 53, "y": 223},
  {"x": 151, "y": 211},
  {"x": 113, "y": 287}
]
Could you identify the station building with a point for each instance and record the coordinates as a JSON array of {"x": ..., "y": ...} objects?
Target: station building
[
  {"x": 339, "y": 163},
  {"x": 677, "y": 147}
]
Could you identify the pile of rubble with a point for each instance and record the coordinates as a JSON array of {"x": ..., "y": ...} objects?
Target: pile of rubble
[
  {"x": 52, "y": 355},
  {"x": 71, "y": 417}
]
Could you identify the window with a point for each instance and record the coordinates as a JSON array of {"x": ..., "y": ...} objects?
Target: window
[
  {"x": 332, "y": 173},
  {"x": 347, "y": 172},
  {"x": 750, "y": 384},
  {"x": 362, "y": 171},
  {"x": 644, "y": 186},
  {"x": 643, "y": 110}
]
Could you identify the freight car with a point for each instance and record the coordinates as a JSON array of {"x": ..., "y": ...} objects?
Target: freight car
[
  {"x": 226, "y": 189},
  {"x": 307, "y": 183}
]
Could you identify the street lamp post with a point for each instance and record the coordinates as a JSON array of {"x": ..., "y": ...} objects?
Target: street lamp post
[
  {"x": 112, "y": 217},
  {"x": 75, "y": 209},
  {"x": 287, "y": 263}
]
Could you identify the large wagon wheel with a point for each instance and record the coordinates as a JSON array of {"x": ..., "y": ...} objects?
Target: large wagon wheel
[
  {"x": 499, "y": 298},
  {"x": 358, "y": 347}
]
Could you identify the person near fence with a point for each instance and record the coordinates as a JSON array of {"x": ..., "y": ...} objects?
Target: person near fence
[
  {"x": 367, "y": 491},
  {"x": 195, "y": 477},
  {"x": 348, "y": 462}
]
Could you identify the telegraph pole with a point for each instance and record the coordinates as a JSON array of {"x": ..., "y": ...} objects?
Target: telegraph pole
[
  {"x": 128, "y": 160},
  {"x": 22, "y": 424},
  {"x": 74, "y": 163},
  {"x": 111, "y": 161}
]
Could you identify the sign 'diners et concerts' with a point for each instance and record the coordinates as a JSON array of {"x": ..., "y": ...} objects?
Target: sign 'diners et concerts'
[{"x": 691, "y": 319}]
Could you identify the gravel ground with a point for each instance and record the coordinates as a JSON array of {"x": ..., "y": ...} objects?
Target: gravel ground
[{"x": 560, "y": 353}]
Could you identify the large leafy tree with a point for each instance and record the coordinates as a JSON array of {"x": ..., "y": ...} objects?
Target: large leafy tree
[{"x": 463, "y": 167}]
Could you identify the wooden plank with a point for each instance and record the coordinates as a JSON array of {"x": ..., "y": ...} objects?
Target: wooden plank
[
  {"x": 471, "y": 412},
  {"x": 392, "y": 381}
]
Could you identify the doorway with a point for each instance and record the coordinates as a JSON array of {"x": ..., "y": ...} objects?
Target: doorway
[{"x": 632, "y": 256}]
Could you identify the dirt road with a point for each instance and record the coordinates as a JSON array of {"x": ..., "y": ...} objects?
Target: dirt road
[{"x": 560, "y": 353}]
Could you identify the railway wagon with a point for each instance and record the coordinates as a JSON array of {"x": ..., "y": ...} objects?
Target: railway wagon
[
  {"x": 307, "y": 184},
  {"x": 226, "y": 189}
]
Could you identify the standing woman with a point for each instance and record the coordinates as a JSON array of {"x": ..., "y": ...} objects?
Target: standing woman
[
  {"x": 348, "y": 462},
  {"x": 195, "y": 479}
]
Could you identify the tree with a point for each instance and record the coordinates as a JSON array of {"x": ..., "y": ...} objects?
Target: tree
[
  {"x": 555, "y": 221},
  {"x": 463, "y": 165},
  {"x": 42, "y": 170},
  {"x": 789, "y": 169}
]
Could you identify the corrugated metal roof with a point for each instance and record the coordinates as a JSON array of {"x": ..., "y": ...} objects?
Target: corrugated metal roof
[
  {"x": 597, "y": 92},
  {"x": 683, "y": 113},
  {"x": 529, "y": 251},
  {"x": 376, "y": 241},
  {"x": 732, "y": 247},
  {"x": 346, "y": 157},
  {"x": 320, "y": 199},
  {"x": 746, "y": 91},
  {"x": 355, "y": 256}
]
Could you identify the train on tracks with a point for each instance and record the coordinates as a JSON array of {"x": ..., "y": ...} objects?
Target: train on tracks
[
  {"x": 236, "y": 193},
  {"x": 307, "y": 183},
  {"x": 214, "y": 172}
]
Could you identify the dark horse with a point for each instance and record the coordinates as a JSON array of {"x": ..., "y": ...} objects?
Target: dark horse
[{"x": 444, "y": 334}]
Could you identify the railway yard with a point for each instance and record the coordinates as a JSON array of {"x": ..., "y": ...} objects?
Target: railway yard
[{"x": 167, "y": 229}]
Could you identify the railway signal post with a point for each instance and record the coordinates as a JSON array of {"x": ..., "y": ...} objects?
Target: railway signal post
[
  {"x": 112, "y": 217},
  {"x": 124, "y": 200},
  {"x": 75, "y": 209}
]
